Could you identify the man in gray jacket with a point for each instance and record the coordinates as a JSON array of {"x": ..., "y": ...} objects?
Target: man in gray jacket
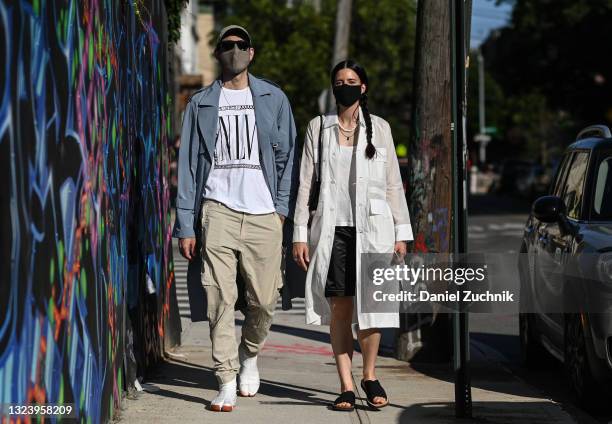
[{"x": 234, "y": 179}]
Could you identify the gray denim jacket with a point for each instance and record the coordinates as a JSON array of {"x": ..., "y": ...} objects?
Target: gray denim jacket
[{"x": 276, "y": 135}]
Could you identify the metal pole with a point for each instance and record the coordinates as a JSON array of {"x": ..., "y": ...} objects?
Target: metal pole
[
  {"x": 463, "y": 395},
  {"x": 481, "y": 92},
  {"x": 482, "y": 137}
]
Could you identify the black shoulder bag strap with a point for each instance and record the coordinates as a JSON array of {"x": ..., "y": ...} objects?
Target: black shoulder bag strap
[
  {"x": 314, "y": 190},
  {"x": 320, "y": 143}
]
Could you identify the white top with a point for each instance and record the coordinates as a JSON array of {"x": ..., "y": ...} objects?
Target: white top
[
  {"x": 345, "y": 183},
  {"x": 236, "y": 178}
]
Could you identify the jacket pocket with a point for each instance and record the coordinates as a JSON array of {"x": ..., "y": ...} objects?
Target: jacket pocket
[
  {"x": 381, "y": 154},
  {"x": 381, "y": 232},
  {"x": 378, "y": 207},
  {"x": 378, "y": 165},
  {"x": 182, "y": 203}
]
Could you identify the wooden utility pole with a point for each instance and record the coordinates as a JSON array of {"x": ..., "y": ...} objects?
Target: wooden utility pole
[
  {"x": 341, "y": 39},
  {"x": 430, "y": 183}
]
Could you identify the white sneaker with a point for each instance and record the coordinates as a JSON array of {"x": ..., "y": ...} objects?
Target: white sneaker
[
  {"x": 249, "y": 374},
  {"x": 226, "y": 399}
]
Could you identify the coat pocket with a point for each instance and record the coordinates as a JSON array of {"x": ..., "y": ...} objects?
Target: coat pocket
[
  {"x": 381, "y": 154},
  {"x": 381, "y": 232},
  {"x": 379, "y": 207},
  {"x": 378, "y": 165}
]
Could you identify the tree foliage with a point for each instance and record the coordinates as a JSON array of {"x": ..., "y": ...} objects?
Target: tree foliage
[
  {"x": 383, "y": 40},
  {"x": 548, "y": 73},
  {"x": 560, "y": 49},
  {"x": 293, "y": 47},
  {"x": 525, "y": 121},
  {"x": 173, "y": 10}
]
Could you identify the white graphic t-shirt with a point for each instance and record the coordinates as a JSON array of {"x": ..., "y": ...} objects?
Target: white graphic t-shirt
[{"x": 236, "y": 178}]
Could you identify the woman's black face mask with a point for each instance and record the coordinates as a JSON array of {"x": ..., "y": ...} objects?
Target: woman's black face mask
[{"x": 346, "y": 95}]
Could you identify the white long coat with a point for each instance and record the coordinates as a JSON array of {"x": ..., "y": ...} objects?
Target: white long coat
[{"x": 381, "y": 213}]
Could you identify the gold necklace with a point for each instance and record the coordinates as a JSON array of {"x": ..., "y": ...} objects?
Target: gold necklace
[
  {"x": 346, "y": 130},
  {"x": 351, "y": 133},
  {"x": 349, "y": 140}
]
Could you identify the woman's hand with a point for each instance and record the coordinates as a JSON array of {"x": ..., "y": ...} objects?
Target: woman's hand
[
  {"x": 300, "y": 255},
  {"x": 400, "y": 249}
]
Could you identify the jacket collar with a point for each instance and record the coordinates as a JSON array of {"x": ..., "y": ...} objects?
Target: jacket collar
[
  {"x": 331, "y": 119},
  {"x": 208, "y": 110},
  {"x": 210, "y": 97}
]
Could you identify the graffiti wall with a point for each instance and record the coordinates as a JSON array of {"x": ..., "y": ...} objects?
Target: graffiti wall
[{"x": 86, "y": 280}]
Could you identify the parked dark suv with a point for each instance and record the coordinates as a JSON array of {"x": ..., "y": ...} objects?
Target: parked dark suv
[{"x": 572, "y": 227}]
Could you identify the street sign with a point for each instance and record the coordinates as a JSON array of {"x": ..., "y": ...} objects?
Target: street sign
[
  {"x": 482, "y": 138},
  {"x": 490, "y": 130}
]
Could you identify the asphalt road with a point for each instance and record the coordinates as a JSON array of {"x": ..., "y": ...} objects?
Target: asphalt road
[{"x": 495, "y": 225}]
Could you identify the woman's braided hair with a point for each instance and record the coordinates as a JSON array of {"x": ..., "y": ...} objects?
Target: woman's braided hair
[{"x": 363, "y": 101}]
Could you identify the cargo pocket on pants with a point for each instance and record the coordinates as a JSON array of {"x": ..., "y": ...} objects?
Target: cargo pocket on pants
[{"x": 204, "y": 218}]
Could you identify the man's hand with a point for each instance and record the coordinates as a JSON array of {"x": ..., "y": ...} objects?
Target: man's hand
[
  {"x": 187, "y": 247},
  {"x": 282, "y": 218},
  {"x": 300, "y": 255}
]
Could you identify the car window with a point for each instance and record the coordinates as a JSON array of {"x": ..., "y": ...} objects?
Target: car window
[
  {"x": 602, "y": 197},
  {"x": 574, "y": 185},
  {"x": 560, "y": 177}
]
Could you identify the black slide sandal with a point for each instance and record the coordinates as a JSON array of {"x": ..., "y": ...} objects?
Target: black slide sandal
[
  {"x": 373, "y": 389},
  {"x": 345, "y": 397}
]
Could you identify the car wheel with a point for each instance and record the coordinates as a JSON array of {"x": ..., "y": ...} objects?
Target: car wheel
[
  {"x": 532, "y": 353},
  {"x": 583, "y": 384}
]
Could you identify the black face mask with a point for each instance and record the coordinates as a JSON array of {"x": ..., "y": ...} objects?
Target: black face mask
[{"x": 347, "y": 95}]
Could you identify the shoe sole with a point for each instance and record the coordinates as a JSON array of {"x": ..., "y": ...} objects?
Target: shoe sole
[
  {"x": 246, "y": 394},
  {"x": 224, "y": 408},
  {"x": 373, "y": 405},
  {"x": 335, "y": 408}
]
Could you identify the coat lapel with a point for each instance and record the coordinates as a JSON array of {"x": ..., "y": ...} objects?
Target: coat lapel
[
  {"x": 362, "y": 141},
  {"x": 208, "y": 116},
  {"x": 260, "y": 91}
]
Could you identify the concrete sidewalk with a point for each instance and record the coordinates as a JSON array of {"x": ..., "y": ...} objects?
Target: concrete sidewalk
[{"x": 299, "y": 381}]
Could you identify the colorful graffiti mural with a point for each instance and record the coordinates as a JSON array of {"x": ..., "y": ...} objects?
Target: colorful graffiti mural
[{"x": 86, "y": 257}]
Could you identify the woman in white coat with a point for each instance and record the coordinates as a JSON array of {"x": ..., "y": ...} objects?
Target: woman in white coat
[{"x": 361, "y": 208}]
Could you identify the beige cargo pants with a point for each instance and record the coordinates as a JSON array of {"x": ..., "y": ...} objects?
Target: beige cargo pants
[{"x": 251, "y": 244}]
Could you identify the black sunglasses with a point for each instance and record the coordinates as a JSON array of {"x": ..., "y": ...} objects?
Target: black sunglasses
[{"x": 226, "y": 46}]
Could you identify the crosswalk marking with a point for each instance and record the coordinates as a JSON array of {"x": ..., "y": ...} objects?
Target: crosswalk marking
[{"x": 510, "y": 228}]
